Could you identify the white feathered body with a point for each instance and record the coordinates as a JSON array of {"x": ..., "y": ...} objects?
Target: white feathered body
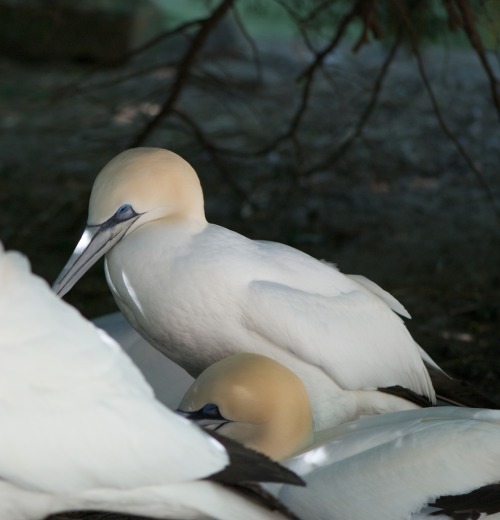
[
  {"x": 392, "y": 466},
  {"x": 199, "y": 292}
]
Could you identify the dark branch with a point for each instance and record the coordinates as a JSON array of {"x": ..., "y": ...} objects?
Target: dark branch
[
  {"x": 475, "y": 40},
  {"x": 251, "y": 42},
  {"x": 370, "y": 24},
  {"x": 367, "y": 112},
  {"x": 214, "y": 153},
  {"x": 437, "y": 111},
  {"x": 76, "y": 85},
  {"x": 184, "y": 70},
  {"x": 308, "y": 76}
]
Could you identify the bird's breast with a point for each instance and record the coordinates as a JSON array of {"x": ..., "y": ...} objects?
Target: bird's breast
[{"x": 175, "y": 300}]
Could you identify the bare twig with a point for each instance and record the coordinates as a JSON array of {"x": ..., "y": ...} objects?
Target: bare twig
[
  {"x": 76, "y": 85},
  {"x": 341, "y": 29},
  {"x": 360, "y": 8},
  {"x": 453, "y": 15},
  {"x": 144, "y": 71},
  {"x": 475, "y": 40},
  {"x": 316, "y": 11},
  {"x": 437, "y": 111},
  {"x": 251, "y": 42},
  {"x": 182, "y": 28},
  {"x": 184, "y": 70},
  {"x": 214, "y": 153},
  {"x": 367, "y": 112},
  {"x": 308, "y": 76},
  {"x": 368, "y": 15},
  {"x": 300, "y": 22}
]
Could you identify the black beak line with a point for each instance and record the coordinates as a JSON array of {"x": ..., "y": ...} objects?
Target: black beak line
[
  {"x": 94, "y": 243},
  {"x": 204, "y": 419}
]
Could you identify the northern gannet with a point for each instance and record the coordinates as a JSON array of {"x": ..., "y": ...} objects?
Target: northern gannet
[
  {"x": 441, "y": 462},
  {"x": 199, "y": 292}
]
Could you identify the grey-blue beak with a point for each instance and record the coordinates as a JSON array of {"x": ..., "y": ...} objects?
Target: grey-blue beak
[{"x": 95, "y": 242}]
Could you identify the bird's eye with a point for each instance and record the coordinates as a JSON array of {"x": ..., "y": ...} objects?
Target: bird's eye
[
  {"x": 211, "y": 410},
  {"x": 124, "y": 212}
]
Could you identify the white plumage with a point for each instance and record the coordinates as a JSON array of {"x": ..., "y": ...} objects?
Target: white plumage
[
  {"x": 407, "y": 465},
  {"x": 199, "y": 292},
  {"x": 395, "y": 466},
  {"x": 80, "y": 427},
  {"x": 168, "y": 380}
]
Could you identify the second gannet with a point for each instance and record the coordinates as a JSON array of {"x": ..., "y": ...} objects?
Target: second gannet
[{"x": 441, "y": 462}]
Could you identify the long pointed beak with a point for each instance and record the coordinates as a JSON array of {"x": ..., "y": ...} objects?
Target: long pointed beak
[{"x": 95, "y": 242}]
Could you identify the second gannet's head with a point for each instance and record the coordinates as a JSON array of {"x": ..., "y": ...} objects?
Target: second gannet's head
[
  {"x": 137, "y": 186},
  {"x": 254, "y": 400}
]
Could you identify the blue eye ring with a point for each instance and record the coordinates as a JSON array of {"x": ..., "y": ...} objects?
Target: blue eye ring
[
  {"x": 123, "y": 213},
  {"x": 207, "y": 415},
  {"x": 123, "y": 210},
  {"x": 211, "y": 410}
]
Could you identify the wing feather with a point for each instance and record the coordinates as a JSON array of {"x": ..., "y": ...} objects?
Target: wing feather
[{"x": 367, "y": 345}]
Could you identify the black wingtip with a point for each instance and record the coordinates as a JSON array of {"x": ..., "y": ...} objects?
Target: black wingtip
[
  {"x": 248, "y": 469},
  {"x": 449, "y": 390},
  {"x": 482, "y": 501},
  {"x": 407, "y": 394},
  {"x": 458, "y": 392},
  {"x": 248, "y": 465}
]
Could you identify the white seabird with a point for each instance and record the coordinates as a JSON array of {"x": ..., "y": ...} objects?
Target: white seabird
[
  {"x": 433, "y": 463},
  {"x": 199, "y": 292}
]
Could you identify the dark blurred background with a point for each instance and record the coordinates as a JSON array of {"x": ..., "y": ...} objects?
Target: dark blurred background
[{"x": 362, "y": 132}]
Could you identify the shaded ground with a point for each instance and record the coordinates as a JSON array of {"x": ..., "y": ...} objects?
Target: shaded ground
[{"x": 401, "y": 207}]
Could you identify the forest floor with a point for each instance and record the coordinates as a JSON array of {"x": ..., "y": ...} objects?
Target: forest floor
[{"x": 400, "y": 207}]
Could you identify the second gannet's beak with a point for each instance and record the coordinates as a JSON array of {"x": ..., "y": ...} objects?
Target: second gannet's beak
[{"x": 95, "y": 242}]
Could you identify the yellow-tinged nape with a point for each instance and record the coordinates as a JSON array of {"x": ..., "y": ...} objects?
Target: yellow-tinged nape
[
  {"x": 266, "y": 404},
  {"x": 150, "y": 180}
]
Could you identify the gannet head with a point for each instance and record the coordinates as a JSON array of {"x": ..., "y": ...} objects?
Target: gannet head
[
  {"x": 254, "y": 400},
  {"x": 137, "y": 186}
]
